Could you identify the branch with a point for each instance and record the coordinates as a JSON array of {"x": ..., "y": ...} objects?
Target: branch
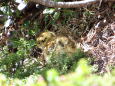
[{"x": 74, "y": 4}]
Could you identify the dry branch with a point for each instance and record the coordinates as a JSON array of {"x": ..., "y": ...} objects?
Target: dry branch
[{"x": 74, "y": 4}]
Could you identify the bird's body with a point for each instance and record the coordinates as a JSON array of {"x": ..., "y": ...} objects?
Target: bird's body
[{"x": 50, "y": 43}]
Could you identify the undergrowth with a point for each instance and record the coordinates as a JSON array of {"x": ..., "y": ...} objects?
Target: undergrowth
[{"x": 82, "y": 76}]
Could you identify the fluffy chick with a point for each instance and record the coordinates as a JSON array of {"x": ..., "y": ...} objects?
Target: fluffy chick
[{"x": 50, "y": 43}]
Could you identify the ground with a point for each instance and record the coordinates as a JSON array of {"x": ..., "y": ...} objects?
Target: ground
[{"x": 91, "y": 27}]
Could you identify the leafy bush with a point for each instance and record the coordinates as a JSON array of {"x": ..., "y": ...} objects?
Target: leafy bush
[
  {"x": 18, "y": 63},
  {"x": 64, "y": 63},
  {"x": 81, "y": 77}
]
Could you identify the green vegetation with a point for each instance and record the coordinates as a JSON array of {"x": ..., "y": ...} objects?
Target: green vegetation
[
  {"x": 20, "y": 64},
  {"x": 81, "y": 77},
  {"x": 20, "y": 57}
]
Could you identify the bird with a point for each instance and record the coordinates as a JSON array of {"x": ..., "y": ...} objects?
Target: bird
[{"x": 51, "y": 43}]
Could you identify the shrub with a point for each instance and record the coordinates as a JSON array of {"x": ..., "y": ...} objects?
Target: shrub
[{"x": 81, "y": 77}]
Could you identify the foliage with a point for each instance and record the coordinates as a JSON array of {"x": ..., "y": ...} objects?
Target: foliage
[
  {"x": 18, "y": 62},
  {"x": 81, "y": 77},
  {"x": 15, "y": 53},
  {"x": 64, "y": 63}
]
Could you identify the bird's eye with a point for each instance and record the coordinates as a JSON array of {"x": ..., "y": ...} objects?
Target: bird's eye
[
  {"x": 61, "y": 43},
  {"x": 38, "y": 42},
  {"x": 43, "y": 41}
]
